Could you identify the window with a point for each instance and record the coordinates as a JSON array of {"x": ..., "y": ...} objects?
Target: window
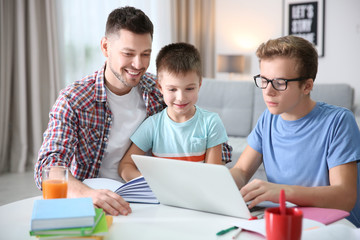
[{"x": 83, "y": 26}]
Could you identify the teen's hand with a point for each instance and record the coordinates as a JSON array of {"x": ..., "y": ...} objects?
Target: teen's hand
[{"x": 258, "y": 191}]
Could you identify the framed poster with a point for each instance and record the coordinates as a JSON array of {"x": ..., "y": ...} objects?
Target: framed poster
[{"x": 305, "y": 18}]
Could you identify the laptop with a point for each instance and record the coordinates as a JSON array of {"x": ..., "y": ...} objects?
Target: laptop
[{"x": 198, "y": 186}]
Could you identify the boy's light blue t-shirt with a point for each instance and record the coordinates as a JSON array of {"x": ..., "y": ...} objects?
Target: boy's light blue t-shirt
[
  {"x": 301, "y": 152},
  {"x": 187, "y": 140}
]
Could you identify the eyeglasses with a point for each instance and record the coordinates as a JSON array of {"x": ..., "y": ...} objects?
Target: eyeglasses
[{"x": 279, "y": 84}]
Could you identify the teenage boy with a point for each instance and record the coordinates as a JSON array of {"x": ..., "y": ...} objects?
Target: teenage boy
[
  {"x": 310, "y": 149},
  {"x": 182, "y": 131}
]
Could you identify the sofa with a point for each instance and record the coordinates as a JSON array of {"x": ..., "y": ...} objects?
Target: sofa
[{"x": 240, "y": 104}]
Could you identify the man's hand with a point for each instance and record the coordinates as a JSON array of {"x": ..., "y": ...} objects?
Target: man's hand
[{"x": 111, "y": 202}]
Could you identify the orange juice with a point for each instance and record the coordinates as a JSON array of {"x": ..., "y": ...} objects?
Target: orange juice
[{"x": 54, "y": 189}]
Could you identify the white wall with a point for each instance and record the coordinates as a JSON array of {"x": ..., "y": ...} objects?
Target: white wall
[{"x": 241, "y": 25}]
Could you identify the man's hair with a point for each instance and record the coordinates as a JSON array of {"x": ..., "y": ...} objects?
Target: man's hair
[
  {"x": 292, "y": 47},
  {"x": 179, "y": 58},
  {"x": 129, "y": 18}
]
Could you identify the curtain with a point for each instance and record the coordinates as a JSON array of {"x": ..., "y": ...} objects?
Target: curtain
[
  {"x": 194, "y": 22},
  {"x": 29, "y": 78}
]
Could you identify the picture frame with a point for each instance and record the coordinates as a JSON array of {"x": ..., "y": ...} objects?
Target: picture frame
[{"x": 305, "y": 18}]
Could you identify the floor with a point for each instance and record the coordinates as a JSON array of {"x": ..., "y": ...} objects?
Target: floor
[{"x": 17, "y": 186}]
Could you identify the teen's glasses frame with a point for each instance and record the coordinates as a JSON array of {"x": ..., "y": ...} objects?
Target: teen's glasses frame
[{"x": 279, "y": 84}]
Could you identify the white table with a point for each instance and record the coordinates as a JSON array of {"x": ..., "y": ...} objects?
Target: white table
[{"x": 147, "y": 221}]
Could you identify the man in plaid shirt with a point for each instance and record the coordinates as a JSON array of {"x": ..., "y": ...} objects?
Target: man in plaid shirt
[{"x": 92, "y": 120}]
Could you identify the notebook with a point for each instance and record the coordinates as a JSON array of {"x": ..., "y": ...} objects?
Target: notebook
[
  {"x": 192, "y": 185},
  {"x": 62, "y": 213},
  {"x": 324, "y": 215},
  {"x": 135, "y": 191}
]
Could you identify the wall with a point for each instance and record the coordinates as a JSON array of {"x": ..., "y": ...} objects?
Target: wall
[{"x": 241, "y": 25}]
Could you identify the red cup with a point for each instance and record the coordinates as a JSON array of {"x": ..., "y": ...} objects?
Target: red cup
[{"x": 283, "y": 227}]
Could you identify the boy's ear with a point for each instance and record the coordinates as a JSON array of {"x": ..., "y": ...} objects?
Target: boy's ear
[{"x": 308, "y": 86}]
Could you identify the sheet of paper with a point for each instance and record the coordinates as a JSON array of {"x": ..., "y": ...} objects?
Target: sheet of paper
[
  {"x": 259, "y": 225},
  {"x": 332, "y": 232}
]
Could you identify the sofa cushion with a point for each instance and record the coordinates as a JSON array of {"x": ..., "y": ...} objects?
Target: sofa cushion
[
  {"x": 259, "y": 106},
  {"x": 238, "y": 144},
  {"x": 232, "y": 100},
  {"x": 338, "y": 94}
]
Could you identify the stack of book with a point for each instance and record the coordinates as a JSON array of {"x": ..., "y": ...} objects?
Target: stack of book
[{"x": 73, "y": 218}]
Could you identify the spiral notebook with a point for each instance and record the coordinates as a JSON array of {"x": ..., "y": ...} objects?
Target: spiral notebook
[{"x": 135, "y": 191}]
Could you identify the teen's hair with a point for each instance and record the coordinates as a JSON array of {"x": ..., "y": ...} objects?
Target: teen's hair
[
  {"x": 128, "y": 18},
  {"x": 179, "y": 58},
  {"x": 293, "y": 47}
]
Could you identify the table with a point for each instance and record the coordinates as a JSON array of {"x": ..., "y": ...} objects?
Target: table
[{"x": 147, "y": 221}]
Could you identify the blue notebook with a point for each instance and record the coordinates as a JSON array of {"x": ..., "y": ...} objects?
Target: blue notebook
[{"x": 62, "y": 213}]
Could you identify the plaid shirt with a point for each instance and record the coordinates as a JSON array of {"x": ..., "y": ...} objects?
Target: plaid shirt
[{"x": 80, "y": 122}]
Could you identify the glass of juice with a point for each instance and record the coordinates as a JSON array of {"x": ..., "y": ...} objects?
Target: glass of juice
[{"x": 54, "y": 182}]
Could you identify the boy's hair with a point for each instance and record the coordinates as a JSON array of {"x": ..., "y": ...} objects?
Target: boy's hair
[
  {"x": 128, "y": 18},
  {"x": 293, "y": 47},
  {"x": 179, "y": 58}
]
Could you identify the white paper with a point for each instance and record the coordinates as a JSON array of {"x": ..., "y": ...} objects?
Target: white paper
[
  {"x": 259, "y": 225},
  {"x": 332, "y": 232}
]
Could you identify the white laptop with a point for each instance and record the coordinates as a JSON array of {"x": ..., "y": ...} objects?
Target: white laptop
[{"x": 197, "y": 186}]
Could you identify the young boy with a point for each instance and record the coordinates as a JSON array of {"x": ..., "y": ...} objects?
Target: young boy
[
  {"x": 181, "y": 131},
  {"x": 310, "y": 149}
]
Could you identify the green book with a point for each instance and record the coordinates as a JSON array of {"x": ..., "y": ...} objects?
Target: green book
[{"x": 99, "y": 228}]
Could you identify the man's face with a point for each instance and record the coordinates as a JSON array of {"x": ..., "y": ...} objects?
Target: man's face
[
  {"x": 289, "y": 103},
  {"x": 128, "y": 57}
]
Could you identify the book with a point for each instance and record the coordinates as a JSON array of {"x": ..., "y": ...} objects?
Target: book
[
  {"x": 98, "y": 227},
  {"x": 73, "y": 238},
  {"x": 135, "y": 191},
  {"x": 98, "y": 233},
  {"x": 323, "y": 215},
  {"x": 62, "y": 213}
]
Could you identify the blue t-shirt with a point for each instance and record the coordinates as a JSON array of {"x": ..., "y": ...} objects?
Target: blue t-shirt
[
  {"x": 301, "y": 152},
  {"x": 186, "y": 141}
]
